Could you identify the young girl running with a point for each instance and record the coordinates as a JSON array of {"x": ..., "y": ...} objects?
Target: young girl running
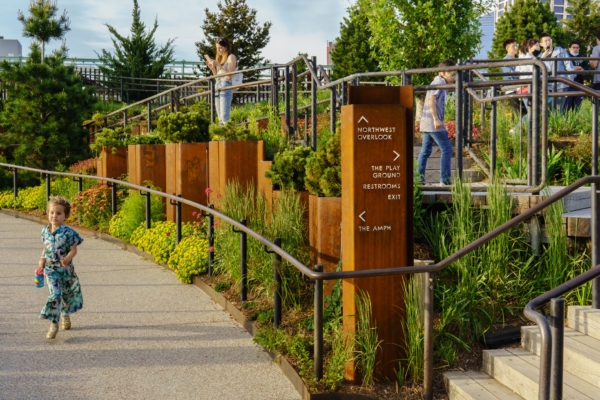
[{"x": 60, "y": 246}]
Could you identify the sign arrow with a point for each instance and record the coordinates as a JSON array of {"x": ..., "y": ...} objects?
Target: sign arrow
[
  {"x": 397, "y": 155},
  {"x": 362, "y": 119},
  {"x": 361, "y": 216}
]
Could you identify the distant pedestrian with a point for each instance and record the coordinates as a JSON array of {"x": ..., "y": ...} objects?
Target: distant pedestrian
[
  {"x": 512, "y": 50},
  {"x": 573, "y": 102},
  {"x": 432, "y": 126},
  {"x": 595, "y": 64},
  {"x": 223, "y": 62},
  {"x": 551, "y": 51},
  {"x": 60, "y": 247}
]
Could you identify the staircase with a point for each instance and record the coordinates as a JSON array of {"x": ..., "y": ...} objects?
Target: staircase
[
  {"x": 471, "y": 172},
  {"x": 512, "y": 373}
]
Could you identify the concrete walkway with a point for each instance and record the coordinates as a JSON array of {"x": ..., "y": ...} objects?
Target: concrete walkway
[{"x": 141, "y": 334}]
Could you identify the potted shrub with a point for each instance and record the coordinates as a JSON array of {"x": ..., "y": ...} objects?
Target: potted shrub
[
  {"x": 185, "y": 134},
  {"x": 323, "y": 181}
]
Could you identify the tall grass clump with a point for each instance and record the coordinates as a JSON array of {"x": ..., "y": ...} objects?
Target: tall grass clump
[
  {"x": 365, "y": 338},
  {"x": 411, "y": 368},
  {"x": 133, "y": 212}
]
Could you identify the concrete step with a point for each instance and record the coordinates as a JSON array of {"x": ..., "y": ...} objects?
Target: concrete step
[
  {"x": 584, "y": 319},
  {"x": 469, "y": 175},
  {"x": 581, "y": 352},
  {"x": 471, "y": 385},
  {"x": 519, "y": 370}
]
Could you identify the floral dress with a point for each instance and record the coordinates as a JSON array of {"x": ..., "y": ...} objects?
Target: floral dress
[{"x": 65, "y": 292}]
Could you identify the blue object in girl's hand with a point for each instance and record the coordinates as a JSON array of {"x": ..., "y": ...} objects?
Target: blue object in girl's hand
[{"x": 38, "y": 279}]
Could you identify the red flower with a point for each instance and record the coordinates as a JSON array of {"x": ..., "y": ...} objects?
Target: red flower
[
  {"x": 208, "y": 191},
  {"x": 168, "y": 233}
]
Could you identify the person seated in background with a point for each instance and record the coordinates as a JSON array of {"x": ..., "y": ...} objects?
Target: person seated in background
[
  {"x": 512, "y": 49},
  {"x": 595, "y": 64},
  {"x": 573, "y": 102}
]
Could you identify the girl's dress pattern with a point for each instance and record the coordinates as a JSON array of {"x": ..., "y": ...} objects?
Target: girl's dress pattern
[{"x": 65, "y": 291}]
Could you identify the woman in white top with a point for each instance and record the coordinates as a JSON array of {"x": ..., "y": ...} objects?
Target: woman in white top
[
  {"x": 223, "y": 62},
  {"x": 529, "y": 49}
]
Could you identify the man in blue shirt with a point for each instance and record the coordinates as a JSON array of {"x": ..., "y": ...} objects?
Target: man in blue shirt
[{"x": 556, "y": 52}]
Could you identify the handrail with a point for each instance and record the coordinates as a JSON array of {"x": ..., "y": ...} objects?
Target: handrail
[{"x": 429, "y": 270}]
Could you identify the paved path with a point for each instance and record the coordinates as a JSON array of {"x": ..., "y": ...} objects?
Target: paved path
[{"x": 141, "y": 334}]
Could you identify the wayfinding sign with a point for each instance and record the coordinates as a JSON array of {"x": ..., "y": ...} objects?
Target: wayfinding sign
[{"x": 377, "y": 208}]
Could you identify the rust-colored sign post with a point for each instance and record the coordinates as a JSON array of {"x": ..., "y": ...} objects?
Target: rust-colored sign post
[{"x": 377, "y": 210}]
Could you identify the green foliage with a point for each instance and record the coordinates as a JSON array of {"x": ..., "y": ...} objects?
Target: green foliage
[
  {"x": 289, "y": 168},
  {"x": 352, "y": 52},
  {"x": 229, "y": 131},
  {"x": 222, "y": 286},
  {"x": 137, "y": 55},
  {"x": 342, "y": 349},
  {"x": 584, "y": 24},
  {"x": 190, "y": 257},
  {"x": 274, "y": 138},
  {"x": 526, "y": 19},
  {"x": 236, "y": 22},
  {"x": 417, "y": 34},
  {"x": 365, "y": 338},
  {"x": 42, "y": 24},
  {"x": 411, "y": 368},
  {"x": 133, "y": 213},
  {"x": 42, "y": 114},
  {"x": 324, "y": 171},
  {"x": 93, "y": 206},
  {"x": 110, "y": 138},
  {"x": 183, "y": 127}
]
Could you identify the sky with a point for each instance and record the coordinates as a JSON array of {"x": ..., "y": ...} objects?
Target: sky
[{"x": 298, "y": 25}]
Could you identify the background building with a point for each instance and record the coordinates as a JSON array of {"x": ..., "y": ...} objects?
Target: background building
[
  {"x": 10, "y": 47},
  {"x": 558, "y": 6}
]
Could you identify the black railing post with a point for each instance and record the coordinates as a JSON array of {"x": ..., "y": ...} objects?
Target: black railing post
[
  {"x": 458, "y": 95},
  {"x": 48, "y": 189},
  {"x": 318, "y": 326},
  {"x": 554, "y": 84},
  {"x": 428, "y": 337},
  {"x": 113, "y": 198},
  {"x": 79, "y": 185},
  {"x": 148, "y": 210},
  {"x": 274, "y": 94},
  {"x": 493, "y": 136},
  {"x": 177, "y": 205},
  {"x": 211, "y": 242},
  {"x": 211, "y": 86},
  {"x": 535, "y": 130},
  {"x": 595, "y": 203},
  {"x": 124, "y": 118},
  {"x": 333, "y": 109},
  {"x": 243, "y": 264},
  {"x": 557, "y": 328},
  {"x": 277, "y": 295},
  {"x": 344, "y": 93},
  {"x": 15, "y": 189},
  {"x": 313, "y": 98},
  {"x": 287, "y": 102},
  {"x": 149, "y": 116},
  {"x": 295, "y": 99}
]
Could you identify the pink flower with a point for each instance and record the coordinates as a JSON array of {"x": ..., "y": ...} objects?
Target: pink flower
[
  {"x": 211, "y": 249},
  {"x": 168, "y": 233},
  {"x": 194, "y": 213},
  {"x": 208, "y": 191}
]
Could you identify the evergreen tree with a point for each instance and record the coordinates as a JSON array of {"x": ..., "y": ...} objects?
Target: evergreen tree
[
  {"x": 43, "y": 112},
  {"x": 352, "y": 52},
  {"x": 526, "y": 19},
  {"x": 236, "y": 22},
  {"x": 422, "y": 33},
  {"x": 42, "y": 24},
  {"x": 585, "y": 23},
  {"x": 136, "y": 56}
]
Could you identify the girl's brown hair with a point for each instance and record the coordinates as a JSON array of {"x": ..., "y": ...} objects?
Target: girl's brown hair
[
  {"x": 60, "y": 201},
  {"x": 222, "y": 58}
]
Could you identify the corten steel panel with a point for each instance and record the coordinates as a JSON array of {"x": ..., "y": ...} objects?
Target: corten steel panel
[
  {"x": 377, "y": 212},
  {"x": 325, "y": 218},
  {"x": 265, "y": 186},
  {"x": 214, "y": 155},
  {"x": 113, "y": 165},
  {"x": 147, "y": 164},
  {"x": 131, "y": 164}
]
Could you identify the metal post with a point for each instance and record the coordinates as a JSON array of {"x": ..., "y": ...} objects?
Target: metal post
[
  {"x": 344, "y": 93},
  {"x": 243, "y": 265},
  {"x": 211, "y": 241},
  {"x": 318, "y": 326},
  {"x": 15, "y": 190},
  {"x": 458, "y": 122},
  {"x": 177, "y": 205},
  {"x": 121, "y": 79},
  {"x": 557, "y": 328},
  {"x": 493, "y": 136},
  {"x": 48, "y": 188},
  {"x": 274, "y": 94},
  {"x": 257, "y": 93},
  {"x": 333, "y": 109},
  {"x": 535, "y": 126},
  {"x": 428, "y": 337},
  {"x": 287, "y": 102},
  {"x": 149, "y": 117},
  {"x": 313, "y": 94},
  {"x": 595, "y": 202},
  {"x": 148, "y": 211},
  {"x": 211, "y": 86},
  {"x": 554, "y": 84},
  {"x": 124, "y": 118},
  {"x": 277, "y": 298},
  {"x": 403, "y": 82},
  {"x": 482, "y": 119},
  {"x": 295, "y": 98},
  {"x": 113, "y": 198}
]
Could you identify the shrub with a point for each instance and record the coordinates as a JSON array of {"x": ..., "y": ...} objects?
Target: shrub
[
  {"x": 289, "y": 168},
  {"x": 7, "y": 199},
  {"x": 183, "y": 127},
  {"x": 230, "y": 132},
  {"x": 84, "y": 167},
  {"x": 32, "y": 198},
  {"x": 189, "y": 258},
  {"x": 324, "y": 171},
  {"x": 93, "y": 206},
  {"x": 133, "y": 212},
  {"x": 110, "y": 138}
]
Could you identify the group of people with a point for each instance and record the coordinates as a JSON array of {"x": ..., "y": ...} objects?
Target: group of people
[{"x": 544, "y": 49}]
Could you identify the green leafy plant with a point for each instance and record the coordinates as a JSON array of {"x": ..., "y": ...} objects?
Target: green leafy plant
[
  {"x": 110, "y": 138},
  {"x": 324, "y": 171},
  {"x": 229, "y": 131},
  {"x": 289, "y": 168},
  {"x": 185, "y": 126},
  {"x": 366, "y": 341},
  {"x": 133, "y": 212},
  {"x": 93, "y": 206}
]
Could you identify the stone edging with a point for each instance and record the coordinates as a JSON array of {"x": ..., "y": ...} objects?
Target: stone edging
[{"x": 287, "y": 369}]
